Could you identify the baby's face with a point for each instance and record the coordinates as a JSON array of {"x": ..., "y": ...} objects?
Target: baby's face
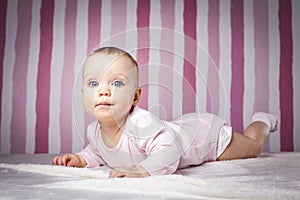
[{"x": 110, "y": 86}]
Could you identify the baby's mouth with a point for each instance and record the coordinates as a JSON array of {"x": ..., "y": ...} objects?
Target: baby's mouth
[{"x": 103, "y": 104}]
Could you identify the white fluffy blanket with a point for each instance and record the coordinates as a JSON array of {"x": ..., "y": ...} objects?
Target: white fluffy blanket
[{"x": 272, "y": 176}]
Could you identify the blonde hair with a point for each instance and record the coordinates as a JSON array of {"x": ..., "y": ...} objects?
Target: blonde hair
[{"x": 114, "y": 50}]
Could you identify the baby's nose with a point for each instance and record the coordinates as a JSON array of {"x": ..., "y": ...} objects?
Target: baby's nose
[{"x": 104, "y": 92}]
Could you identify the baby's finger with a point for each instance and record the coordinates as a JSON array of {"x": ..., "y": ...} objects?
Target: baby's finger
[
  {"x": 118, "y": 175},
  {"x": 114, "y": 173},
  {"x": 59, "y": 160},
  {"x": 73, "y": 162},
  {"x": 65, "y": 159},
  {"x": 54, "y": 161}
]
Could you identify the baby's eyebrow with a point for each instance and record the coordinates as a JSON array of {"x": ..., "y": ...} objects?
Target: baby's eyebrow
[
  {"x": 120, "y": 74},
  {"x": 88, "y": 76},
  {"x": 111, "y": 75}
]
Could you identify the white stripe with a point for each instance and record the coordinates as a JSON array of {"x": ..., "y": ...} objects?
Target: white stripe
[
  {"x": 8, "y": 63},
  {"x": 105, "y": 22},
  {"x": 249, "y": 66},
  {"x": 80, "y": 55},
  {"x": 57, "y": 64},
  {"x": 131, "y": 35},
  {"x": 154, "y": 58},
  {"x": 296, "y": 70},
  {"x": 34, "y": 49},
  {"x": 202, "y": 61},
  {"x": 274, "y": 66},
  {"x": 178, "y": 59},
  {"x": 225, "y": 60}
]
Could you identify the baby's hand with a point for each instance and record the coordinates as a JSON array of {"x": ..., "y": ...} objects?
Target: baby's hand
[
  {"x": 70, "y": 160},
  {"x": 128, "y": 172}
]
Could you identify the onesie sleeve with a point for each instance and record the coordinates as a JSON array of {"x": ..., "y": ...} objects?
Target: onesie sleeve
[
  {"x": 89, "y": 153},
  {"x": 163, "y": 154},
  {"x": 90, "y": 157}
]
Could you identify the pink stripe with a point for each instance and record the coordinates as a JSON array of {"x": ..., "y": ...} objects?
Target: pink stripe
[
  {"x": 18, "y": 124},
  {"x": 3, "y": 10},
  {"x": 189, "y": 72},
  {"x": 43, "y": 79},
  {"x": 237, "y": 59},
  {"x": 118, "y": 25},
  {"x": 94, "y": 24},
  {"x": 94, "y": 35},
  {"x": 286, "y": 75},
  {"x": 143, "y": 22},
  {"x": 167, "y": 12},
  {"x": 212, "y": 103},
  {"x": 68, "y": 77},
  {"x": 261, "y": 45}
]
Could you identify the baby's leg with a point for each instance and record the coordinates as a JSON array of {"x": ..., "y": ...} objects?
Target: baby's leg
[{"x": 251, "y": 142}]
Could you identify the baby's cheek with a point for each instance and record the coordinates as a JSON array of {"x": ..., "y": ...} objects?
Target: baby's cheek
[
  {"x": 89, "y": 110},
  {"x": 89, "y": 106},
  {"x": 126, "y": 96},
  {"x": 126, "y": 103}
]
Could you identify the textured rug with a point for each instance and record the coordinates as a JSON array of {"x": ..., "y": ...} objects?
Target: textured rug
[{"x": 271, "y": 176}]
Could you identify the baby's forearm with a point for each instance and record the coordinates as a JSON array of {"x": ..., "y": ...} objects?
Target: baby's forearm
[
  {"x": 142, "y": 171},
  {"x": 129, "y": 172}
]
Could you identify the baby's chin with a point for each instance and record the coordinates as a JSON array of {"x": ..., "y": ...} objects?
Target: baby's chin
[{"x": 104, "y": 116}]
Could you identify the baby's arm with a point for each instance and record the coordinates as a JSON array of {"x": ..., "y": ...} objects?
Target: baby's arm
[
  {"x": 129, "y": 172},
  {"x": 70, "y": 160},
  {"x": 162, "y": 162},
  {"x": 163, "y": 153},
  {"x": 86, "y": 158}
]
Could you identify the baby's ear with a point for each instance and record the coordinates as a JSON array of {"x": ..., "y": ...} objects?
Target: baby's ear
[{"x": 137, "y": 96}]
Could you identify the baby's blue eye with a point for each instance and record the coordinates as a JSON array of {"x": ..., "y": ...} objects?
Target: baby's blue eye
[
  {"x": 93, "y": 84},
  {"x": 117, "y": 83}
]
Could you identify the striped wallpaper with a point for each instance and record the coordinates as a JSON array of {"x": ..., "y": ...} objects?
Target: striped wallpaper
[{"x": 227, "y": 57}]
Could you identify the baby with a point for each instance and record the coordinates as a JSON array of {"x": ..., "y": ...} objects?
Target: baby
[{"x": 134, "y": 143}]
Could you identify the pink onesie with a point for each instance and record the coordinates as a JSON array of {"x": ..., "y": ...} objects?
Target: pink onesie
[{"x": 159, "y": 146}]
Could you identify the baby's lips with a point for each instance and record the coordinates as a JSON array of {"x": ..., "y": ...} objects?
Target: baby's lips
[{"x": 103, "y": 104}]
